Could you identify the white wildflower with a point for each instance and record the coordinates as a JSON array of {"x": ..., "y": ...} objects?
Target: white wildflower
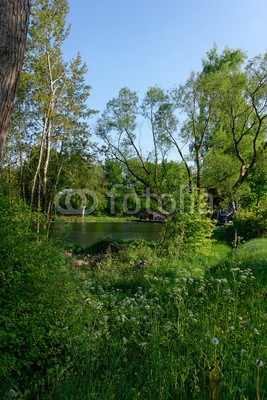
[
  {"x": 215, "y": 341},
  {"x": 259, "y": 363},
  {"x": 231, "y": 328}
]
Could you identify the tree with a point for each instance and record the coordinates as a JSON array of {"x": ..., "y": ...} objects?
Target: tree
[
  {"x": 237, "y": 138},
  {"x": 14, "y": 19},
  {"x": 53, "y": 97},
  {"x": 195, "y": 100},
  {"x": 119, "y": 129},
  {"x": 248, "y": 124}
]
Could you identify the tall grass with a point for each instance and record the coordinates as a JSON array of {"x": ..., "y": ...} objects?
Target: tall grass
[{"x": 194, "y": 327}]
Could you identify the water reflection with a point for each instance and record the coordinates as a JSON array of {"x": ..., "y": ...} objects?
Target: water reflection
[{"x": 84, "y": 233}]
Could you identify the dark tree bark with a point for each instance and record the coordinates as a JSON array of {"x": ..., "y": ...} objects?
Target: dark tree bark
[{"x": 14, "y": 20}]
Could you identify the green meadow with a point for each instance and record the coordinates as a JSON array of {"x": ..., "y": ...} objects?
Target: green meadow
[
  {"x": 97, "y": 323},
  {"x": 193, "y": 328}
]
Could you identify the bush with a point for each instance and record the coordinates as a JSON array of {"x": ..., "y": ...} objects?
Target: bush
[
  {"x": 190, "y": 232},
  {"x": 39, "y": 298},
  {"x": 249, "y": 225}
]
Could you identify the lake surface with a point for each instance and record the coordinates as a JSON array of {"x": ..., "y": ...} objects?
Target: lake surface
[{"x": 84, "y": 233}]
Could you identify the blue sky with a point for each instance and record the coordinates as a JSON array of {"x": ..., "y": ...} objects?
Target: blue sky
[{"x": 141, "y": 43}]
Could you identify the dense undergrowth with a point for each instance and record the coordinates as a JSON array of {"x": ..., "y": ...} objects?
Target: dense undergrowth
[
  {"x": 97, "y": 326},
  {"x": 188, "y": 328},
  {"x": 41, "y": 304}
]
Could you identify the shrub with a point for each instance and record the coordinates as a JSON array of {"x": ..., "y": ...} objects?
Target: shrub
[
  {"x": 188, "y": 233},
  {"x": 39, "y": 297},
  {"x": 249, "y": 225}
]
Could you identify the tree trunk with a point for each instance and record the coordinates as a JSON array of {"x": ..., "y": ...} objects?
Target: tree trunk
[
  {"x": 197, "y": 161},
  {"x": 14, "y": 19},
  {"x": 40, "y": 159},
  {"x": 46, "y": 164}
]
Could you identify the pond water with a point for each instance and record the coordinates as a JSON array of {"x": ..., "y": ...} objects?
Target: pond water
[{"x": 84, "y": 233}]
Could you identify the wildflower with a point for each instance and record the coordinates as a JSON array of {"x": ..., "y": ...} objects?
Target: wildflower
[
  {"x": 235, "y": 269},
  {"x": 143, "y": 345},
  {"x": 256, "y": 331},
  {"x": 215, "y": 341},
  {"x": 97, "y": 335},
  {"x": 259, "y": 363},
  {"x": 243, "y": 351},
  {"x": 123, "y": 318},
  {"x": 231, "y": 328}
]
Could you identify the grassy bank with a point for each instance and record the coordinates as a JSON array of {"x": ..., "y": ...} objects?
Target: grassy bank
[
  {"x": 130, "y": 320},
  {"x": 93, "y": 218},
  {"x": 187, "y": 328}
]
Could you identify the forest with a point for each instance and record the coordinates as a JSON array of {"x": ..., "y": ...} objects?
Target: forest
[{"x": 118, "y": 319}]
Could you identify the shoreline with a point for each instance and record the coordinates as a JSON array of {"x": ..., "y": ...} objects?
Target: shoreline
[{"x": 95, "y": 219}]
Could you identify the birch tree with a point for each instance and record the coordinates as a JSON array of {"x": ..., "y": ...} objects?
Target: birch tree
[{"x": 55, "y": 102}]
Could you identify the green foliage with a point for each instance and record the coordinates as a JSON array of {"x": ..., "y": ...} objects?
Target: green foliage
[
  {"x": 149, "y": 321},
  {"x": 50, "y": 119},
  {"x": 247, "y": 225},
  {"x": 127, "y": 333},
  {"x": 123, "y": 324},
  {"x": 119, "y": 129},
  {"x": 39, "y": 300},
  {"x": 102, "y": 246},
  {"x": 189, "y": 230},
  {"x": 250, "y": 224},
  {"x": 228, "y": 60},
  {"x": 222, "y": 124}
]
